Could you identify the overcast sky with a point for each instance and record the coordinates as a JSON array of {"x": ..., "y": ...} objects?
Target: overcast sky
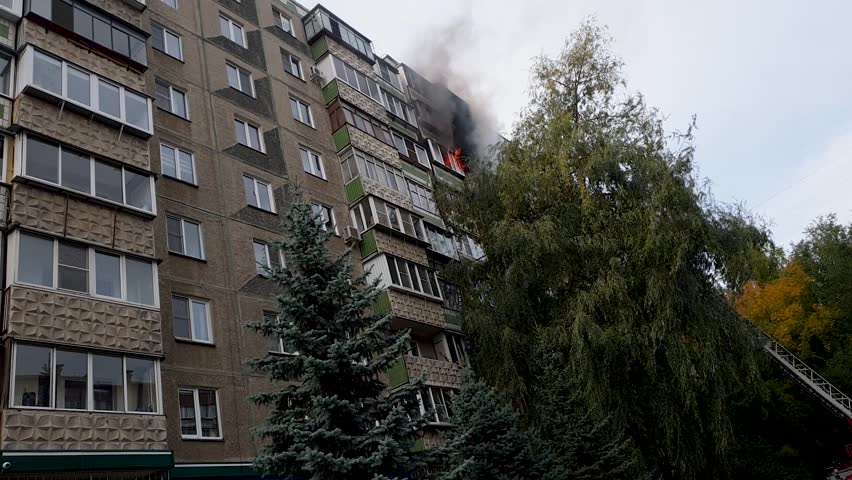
[{"x": 769, "y": 81}]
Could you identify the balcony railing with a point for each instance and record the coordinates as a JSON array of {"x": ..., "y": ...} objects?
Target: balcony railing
[{"x": 434, "y": 372}]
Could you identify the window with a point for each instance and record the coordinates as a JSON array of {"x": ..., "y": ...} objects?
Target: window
[
  {"x": 191, "y": 319},
  {"x": 84, "y": 89},
  {"x": 456, "y": 347},
  {"x": 5, "y": 74},
  {"x": 413, "y": 349},
  {"x": 437, "y": 403},
  {"x": 322, "y": 20},
  {"x": 359, "y": 163},
  {"x": 356, "y": 79},
  {"x": 171, "y": 3},
  {"x": 84, "y": 380},
  {"x": 422, "y": 197},
  {"x": 258, "y": 194},
  {"x": 84, "y": 270},
  {"x": 414, "y": 277},
  {"x": 325, "y": 216},
  {"x": 389, "y": 75},
  {"x": 232, "y": 30},
  {"x": 184, "y": 237},
  {"x": 293, "y": 65},
  {"x": 283, "y": 21},
  {"x": 442, "y": 242},
  {"x": 453, "y": 298},
  {"x": 177, "y": 163},
  {"x": 248, "y": 135},
  {"x": 199, "y": 413},
  {"x": 275, "y": 344},
  {"x": 343, "y": 115},
  {"x": 411, "y": 150},
  {"x": 240, "y": 79},
  {"x": 171, "y": 99},
  {"x": 109, "y": 32},
  {"x": 396, "y": 218},
  {"x": 468, "y": 247},
  {"x": 266, "y": 257},
  {"x": 301, "y": 112},
  {"x": 166, "y": 41},
  {"x": 312, "y": 162},
  {"x": 398, "y": 108}
]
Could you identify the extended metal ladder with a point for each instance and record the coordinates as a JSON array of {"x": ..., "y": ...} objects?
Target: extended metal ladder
[{"x": 800, "y": 371}]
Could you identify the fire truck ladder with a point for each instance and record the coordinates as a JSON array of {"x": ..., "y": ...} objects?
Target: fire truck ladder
[{"x": 801, "y": 372}]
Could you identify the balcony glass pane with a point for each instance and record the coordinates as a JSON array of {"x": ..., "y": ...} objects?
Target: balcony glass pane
[
  {"x": 107, "y": 383},
  {"x": 32, "y": 376},
  {"x": 35, "y": 260},
  {"x": 72, "y": 380},
  {"x": 141, "y": 375}
]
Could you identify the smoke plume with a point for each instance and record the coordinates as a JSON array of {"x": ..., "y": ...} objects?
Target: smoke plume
[{"x": 441, "y": 57}]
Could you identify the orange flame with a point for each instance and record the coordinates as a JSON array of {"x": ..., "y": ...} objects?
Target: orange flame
[{"x": 453, "y": 159}]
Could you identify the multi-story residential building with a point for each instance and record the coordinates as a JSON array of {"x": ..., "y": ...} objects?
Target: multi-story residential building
[{"x": 147, "y": 147}]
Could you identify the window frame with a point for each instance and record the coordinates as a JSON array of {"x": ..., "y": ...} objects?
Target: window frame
[
  {"x": 251, "y": 93},
  {"x": 26, "y": 79},
  {"x": 177, "y": 150},
  {"x": 22, "y": 147},
  {"x": 269, "y": 251},
  {"x": 299, "y": 103},
  {"x": 396, "y": 273},
  {"x": 89, "y": 379},
  {"x": 14, "y": 265},
  {"x": 169, "y": 3},
  {"x": 424, "y": 196},
  {"x": 13, "y": 72},
  {"x": 166, "y": 31},
  {"x": 298, "y": 63},
  {"x": 323, "y": 208},
  {"x": 209, "y": 321},
  {"x": 269, "y": 191},
  {"x": 310, "y": 155},
  {"x": 246, "y": 124},
  {"x": 231, "y": 23},
  {"x": 172, "y": 100},
  {"x": 184, "y": 221},
  {"x": 278, "y": 16},
  {"x": 197, "y": 409}
]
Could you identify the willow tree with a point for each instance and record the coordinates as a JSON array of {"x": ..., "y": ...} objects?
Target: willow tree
[{"x": 599, "y": 238}]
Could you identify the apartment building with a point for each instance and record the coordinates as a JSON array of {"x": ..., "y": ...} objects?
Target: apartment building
[{"x": 149, "y": 146}]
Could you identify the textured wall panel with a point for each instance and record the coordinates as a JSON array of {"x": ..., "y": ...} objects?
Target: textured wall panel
[
  {"x": 401, "y": 248},
  {"x": 401, "y": 199},
  {"x": 56, "y": 317},
  {"x": 360, "y": 100},
  {"x": 90, "y": 222},
  {"x": 43, "y": 430},
  {"x": 38, "y": 208},
  {"x": 415, "y": 308},
  {"x": 91, "y": 135},
  {"x": 435, "y": 372},
  {"x": 134, "y": 234},
  {"x": 35, "y": 207},
  {"x": 80, "y": 55},
  {"x": 373, "y": 146}
]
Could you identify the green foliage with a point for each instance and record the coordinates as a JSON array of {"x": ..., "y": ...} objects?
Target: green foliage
[
  {"x": 331, "y": 419},
  {"x": 589, "y": 448},
  {"x": 598, "y": 237},
  {"x": 487, "y": 441}
]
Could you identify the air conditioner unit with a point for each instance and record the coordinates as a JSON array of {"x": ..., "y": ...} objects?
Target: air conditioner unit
[
  {"x": 316, "y": 75},
  {"x": 351, "y": 235}
]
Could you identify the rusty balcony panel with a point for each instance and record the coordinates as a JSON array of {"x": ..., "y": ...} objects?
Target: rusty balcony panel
[
  {"x": 57, "y": 317},
  {"x": 435, "y": 372},
  {"x": 55, "y": 430}
]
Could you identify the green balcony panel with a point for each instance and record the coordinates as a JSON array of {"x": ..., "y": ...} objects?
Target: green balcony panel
[
  {"x": 453, "y": 318},
  {"x": 397, "y": 374},
  {"x": 418, "y": 174},
  {"x": 418, "y": 445},
  {"x": 448, "y": 178},
  {"x": 368, "y": 244},
  {"x": 341, "y": 138},
  {"x": 319, "y": 48},
  {"x": 354, "y": 190},
  {"x": 382, "y": 304},
  {"x": 330, "y": 91}
]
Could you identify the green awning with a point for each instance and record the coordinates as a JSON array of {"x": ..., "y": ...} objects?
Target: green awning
[{"x": 26, "y": 461}]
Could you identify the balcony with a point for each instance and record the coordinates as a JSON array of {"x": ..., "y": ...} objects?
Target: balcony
[
  {"x": 434, "y": 372},
  {"x": 54, "y": 430},
  {"x": 320, "y": 20}
]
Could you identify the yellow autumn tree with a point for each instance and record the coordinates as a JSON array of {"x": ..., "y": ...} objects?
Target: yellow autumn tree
[{"x": 786, "y": 308}]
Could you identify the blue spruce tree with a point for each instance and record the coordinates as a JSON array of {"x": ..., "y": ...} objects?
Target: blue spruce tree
[{"x": 333, "y": 418}]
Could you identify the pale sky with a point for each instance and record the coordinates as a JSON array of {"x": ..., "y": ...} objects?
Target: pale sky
[{"x": 768, "y": 80}]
